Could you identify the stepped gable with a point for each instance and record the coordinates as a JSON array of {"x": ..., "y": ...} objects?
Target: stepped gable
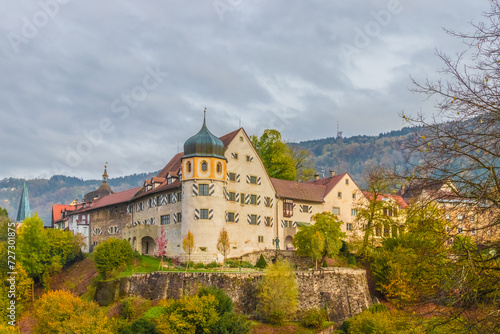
[
  {"x": 102, "y": 191},
  {"x": 304, "y": 191}
]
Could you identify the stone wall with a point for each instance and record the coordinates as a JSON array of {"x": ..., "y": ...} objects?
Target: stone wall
[
  {"x": 300, "y": 262},
  {"x": 342, "y": 291}
]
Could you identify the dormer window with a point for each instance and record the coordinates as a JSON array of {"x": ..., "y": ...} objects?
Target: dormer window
[
  {"x": 204, "y": 166},
  {"x": 169, "y": 179}
]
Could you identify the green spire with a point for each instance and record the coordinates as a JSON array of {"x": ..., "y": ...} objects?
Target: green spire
[{"x": 24, "y": 205}]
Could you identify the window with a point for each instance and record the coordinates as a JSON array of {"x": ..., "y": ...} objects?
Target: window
[
  {"x": 189, "y": 167},
  {"x": 354, "y": 212},
  {"x": 179, "y": 196},
  {"x": 204, "y": 214},
  {"x": 203, "y": 189},
  {"x": 287, "y": 223},
  {"x": 378, "y": 231},
  {"x": 339, "y": 194},
  {"x": 230, "y": 217},
  {"x": 253, "y": 199},
  {"x": 130, "y": 207},
  {"x": 204, "y": 166},
  {"x": 241, "y": 138},
  {"x": 267, "y": 221},
  {"x": 232, "y": 177},
  {"x": 305, "y": 208},
  {"x": 353, "y": 195},
  {"x": 261, "y": 238},
  {"x": 336, "y": 211},
  {"x": 219, "y": 168},
  {"x": 388, "y": 212},
  {"x": 253, "y": 179},
  {"x": 165, "y": 220},
  {"x": 253, "y": 219},
  {"x": 288, "y": 208},
  {"x": 203, "y": 249},
  {"x": 348, "y": 227},
  {"x": 234, "y": 155},
  {"x": 169, "y": 197},
  {"x": 248, "y": 158},
  {"x": 346, "y": 181},
  {"x": 267, "y": 202},
  {"x": 179, "y": 217},
  {"x": 139, "y": 206},
  {"x": 232, "y": 197},
  {"x": 242, "y": 198}
]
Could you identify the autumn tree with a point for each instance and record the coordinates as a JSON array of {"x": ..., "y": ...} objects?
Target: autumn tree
[
  {"x": 112, "y": 254},
  {"x": 223, "y": 245},
  {"x": 303, "y": 164},
  {"x": 320, "y": 240},
  {"x": 375, "y": 208},
  {"x": 278, "y": 293},
  {"x": 33, "y": 247},
  {"x": 188, "y": 246},
  {"x": 459, "y": 143},
  {"x": 275, "y": 155},
  {"x": 161, "y": 245},
  {"x": 62, "y": 312}
]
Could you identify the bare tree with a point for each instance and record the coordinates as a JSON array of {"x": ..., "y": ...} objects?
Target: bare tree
[{"x": 460, "y": 146}]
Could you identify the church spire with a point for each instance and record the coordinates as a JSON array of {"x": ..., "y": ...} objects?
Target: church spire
[
  {"x": 24, "y": 210},
  {"x": 105, "y": 175}
]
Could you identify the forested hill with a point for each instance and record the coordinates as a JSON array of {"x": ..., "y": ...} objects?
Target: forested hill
[
  {"x": 355, "y": 154},
  {"x": 58, "y": 190}
]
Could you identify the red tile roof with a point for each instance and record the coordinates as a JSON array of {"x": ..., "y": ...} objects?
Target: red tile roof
[
  {"x": 172, "y": 167},
  {"x": 57, "y": 210},
  {"x": 398, "y": 199},
  {"x": 113, "y": 199},
  {"x": 174, "y": 185},
  {"x": 329, "y": 182},
  {"x": 227, "y": 139},
  {"x": 304, "y": 191}
]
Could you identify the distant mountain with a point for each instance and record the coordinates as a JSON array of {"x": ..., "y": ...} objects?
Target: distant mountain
[
  {"x": 353, "y": 155},
  {"x": 58, "y": 189}
]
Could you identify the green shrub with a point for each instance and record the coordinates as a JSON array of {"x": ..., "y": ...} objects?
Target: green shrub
[
  {"x": 376, "y": 308},
  {"x": 112, "y": 254},
  {"x": 231, "y": 323},
  {"x": 127, "y": 309},
  {"x": 325, "y": 265},
  {"x": 225, "y": 303},
  {"x": 154, "y": 312},
  {"x": 351, "y": 259},
  {"x": 314, "y": 318},
  {"x": 261, "y": 263},
  {"x": 199, "y": 265},
  {"x": 212, "y": 265},
  {"x": 246, "y": 264},
  {"x": 276, "y": 318},
  {"x": 141, "y": 326}
]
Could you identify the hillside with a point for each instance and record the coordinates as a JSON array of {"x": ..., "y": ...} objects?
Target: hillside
[{"x": 353, "y": 155}]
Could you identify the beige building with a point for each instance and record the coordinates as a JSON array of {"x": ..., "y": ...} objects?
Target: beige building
[{"x": 219, "y": 183}]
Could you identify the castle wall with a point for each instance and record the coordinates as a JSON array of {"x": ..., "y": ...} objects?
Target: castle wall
[{"x": 342, "y": 291}]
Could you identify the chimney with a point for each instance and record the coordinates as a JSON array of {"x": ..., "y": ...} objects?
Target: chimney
[
  {"x": 332, "y": 172},
  {"x": 316, "y": 176}
]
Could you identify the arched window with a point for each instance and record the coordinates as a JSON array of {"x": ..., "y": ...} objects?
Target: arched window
[
  {"x": 219, "y": 168},
  {"x": 204, "y": 166},
  {"x": 188, "y": 165}
]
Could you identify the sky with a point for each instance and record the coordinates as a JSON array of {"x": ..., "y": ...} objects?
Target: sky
[{"x": 84, "y": 83}]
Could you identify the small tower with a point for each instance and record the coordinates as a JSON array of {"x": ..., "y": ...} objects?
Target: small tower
[
  {"x": 103, "y": 190},
  {"x": 24, "y": 210},
  {"x": 204, "y": 169}
]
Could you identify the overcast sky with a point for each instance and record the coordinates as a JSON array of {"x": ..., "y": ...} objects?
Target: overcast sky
[{"x": 125, "y": 82}]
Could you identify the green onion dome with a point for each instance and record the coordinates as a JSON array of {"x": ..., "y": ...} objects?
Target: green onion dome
[{"x": 204, "y": 144}]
